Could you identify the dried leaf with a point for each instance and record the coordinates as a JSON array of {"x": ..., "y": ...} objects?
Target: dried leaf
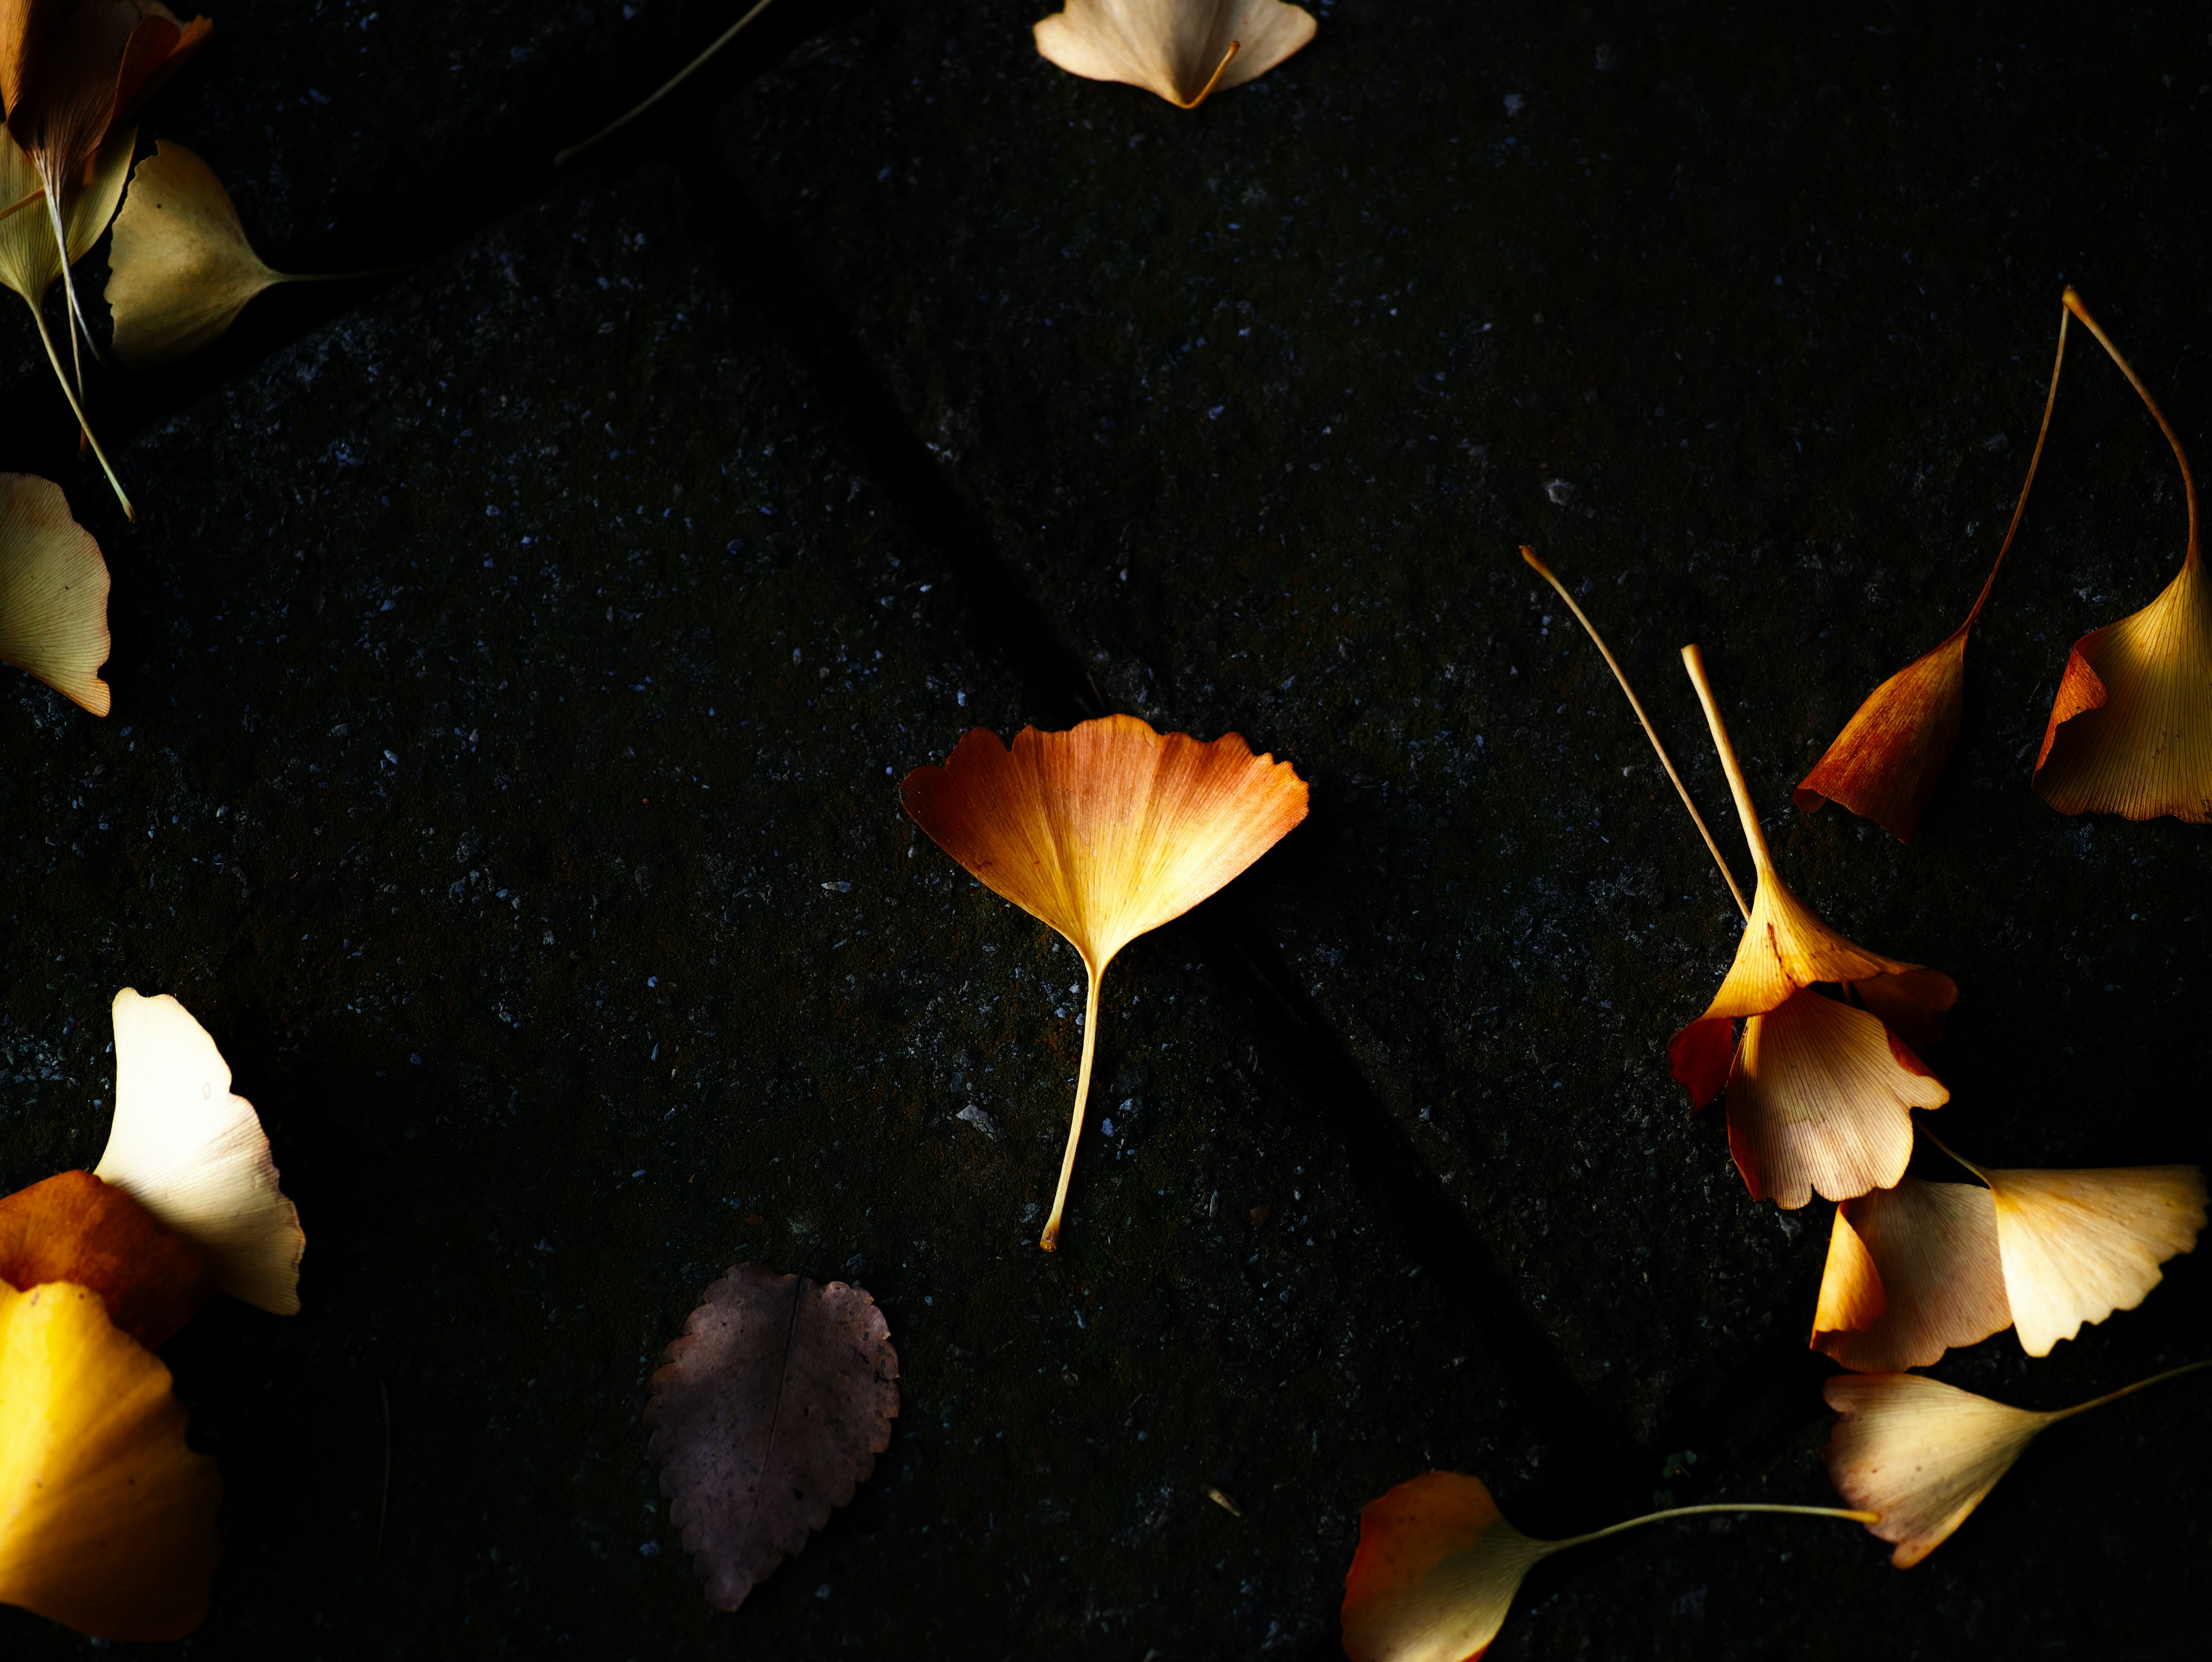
[
  {"x": 2130, "y": 729},
  {"x": 106, "y": 1517},
  {"x": 1180, "y": 49},
  {"x": 1884, "y": 764},
  {"x": 195, "y": 1157},
  {"x": 1104, "y": 833},
  {"x": 768, "y": 1416},
  {"x": 2078, "y": 1246},
  {"x": 181, "y": 269},
  {"x": 1921, "y": 1455},
  {"x": 1438, "y": 1567},
  {"x": 1820, "y": 1094},
  {"x": 53, "y": 592},
  {"x": 1930, "y": 1250},
  {"x": 74, "y": 1228}
]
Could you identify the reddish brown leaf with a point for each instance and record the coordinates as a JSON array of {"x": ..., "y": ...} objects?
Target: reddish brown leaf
[
  {"x": 73, "y": 1228},
  {"x": 768, "y": 1416}
]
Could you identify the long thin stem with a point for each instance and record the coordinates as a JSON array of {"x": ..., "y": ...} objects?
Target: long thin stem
[
  {"x": 347, "y": 277},
  {"x": 1695, "y": 1511},
  {"x": 20, "y": 203},
  {"x": 1953, "y": 1152},
  {"x": 80, "y": 327},
  {"x": 2188, "y": 480},
  {"x": 2129, "y": 1391},
  {"x": 667, "y": 87},
  {"x": 2019, "y": 507},
  {"x": 84, "y": 426},
  {"x": 1694, "y": 661},
  {"x": 1649, "y": 732},
  {"x": 1051, "y": 1241},
  {"x": 1214, "y": 80}
]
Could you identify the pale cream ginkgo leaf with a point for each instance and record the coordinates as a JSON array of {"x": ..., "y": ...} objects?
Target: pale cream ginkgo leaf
[
  {"x": 1182, "y": 49},
  {"x": 195, "y": 1155}
]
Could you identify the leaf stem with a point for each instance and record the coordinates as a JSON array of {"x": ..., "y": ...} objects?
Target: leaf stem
[
  {"x": 1649, "y": 732},
  {"x": 2019, "y": 507},
  {"x": 2131, "y": 1390},
  {"x": 1694, "y": 661},
  {"x": 1214, "y": 80},
  {"x": 22, "y": 202},
  {"x": 2188, "y": 480},
  {"x": 667, "y": 87},
  {"x": 84, "y": 426},
  {"x": 1719, "y": 1506},
  {"x": 1051, "y": 1241}
]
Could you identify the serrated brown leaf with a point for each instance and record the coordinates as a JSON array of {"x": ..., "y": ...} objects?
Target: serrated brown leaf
[{"x": 767, "y": 1417}]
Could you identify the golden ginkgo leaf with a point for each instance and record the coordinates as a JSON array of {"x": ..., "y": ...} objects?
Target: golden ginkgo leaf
[
  {"x": 1438, "y": 1567},
  {"x": 1180, "y": 49},
  {"x": 53, "y": 592},
  {"x": 1104, "y": 833},
  {"x": 1911, "y": 1271},
  {"x": 106, "y": 1517},
  {"x": 1921, "y": 1455},
  {"x": 180, "y": 269},
  {"x": 195, "y": 1157},
  {"x": 2077, "y": 1246},
  {"x": 2130, "y": 728}
]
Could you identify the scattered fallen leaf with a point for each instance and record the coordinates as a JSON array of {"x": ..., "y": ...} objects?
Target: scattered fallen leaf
[
  {"x": 768, "y": 1416},
  {"x": 2130, "y": 729},
  {"x": 106, "y": 1517},
  {"x": 1921, "y": 1455},
  {"x": 1102, "y": 832},
  {"x": 1884, "y": 764},
  {"x": 1224, "y": 1502},
  {"x": 73, "y": 1228},
  {"x": 1911, "y": 1271},
  {"x": 1183, "y": 49},
  {"x": 195, "y": 1157},
  {"x": 1820, "y": 1092},
  {"x": 53, "y": 592},
  {"x": 1438, "y": 1566},
  {"x": 2077, "y": 1246},
  {"x": 30, "y": 260}
]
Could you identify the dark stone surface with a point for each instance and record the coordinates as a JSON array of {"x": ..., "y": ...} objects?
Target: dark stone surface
[{"x": 506, "y": 873}]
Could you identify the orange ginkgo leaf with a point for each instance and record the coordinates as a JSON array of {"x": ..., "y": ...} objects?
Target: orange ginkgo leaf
[
  {"x": 53, "y": 592},
  {"x": 1820, "y": 1092},
  {"x": 106, "y": 1517},
  {"x": 1104, "y": 833},
  {"x": 73, "y": 1228},
  {"x": 1921, "y": 1455},
  {"x": 2130, "y": 729},
  {"x": 1438, "y": 1567},
  {"x": 1911, "y": 1271},
  {"x": 767, "y": 1417},
  {"x": 195, "y": 1155},
  {"x": 1182, "y": 49},
  {"x": 2077, "y": 1246},
  {"x": 70, "y": 70},
  {"x": 1884, "y": 764}
]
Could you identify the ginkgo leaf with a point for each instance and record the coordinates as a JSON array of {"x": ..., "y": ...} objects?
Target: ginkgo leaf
[
  {"x": 767, "y": 1416},
  {"x": 74, "y": 1228},
  {"x": 180, "y": 268},
  {"x": 1819, "y": 1101},
  {"x": 106, "y": 1517},
  {"x": 53, "y": 592},
  {"x": 1438, "y": 1567},
  {"x": 1104, "y": 833},
  {"x": 195, "y": 1157},
  {"x": 30, "y": 257},
  {"x": 1921, "y": 1455},
  {"x": 1180, "y": 49},
  {"x": 2130, "y": 729},
  {"x": 1884, "y": 764},
  {"x": 1930, "y": 1250},
  {"x": 2077, "y": 1246}
]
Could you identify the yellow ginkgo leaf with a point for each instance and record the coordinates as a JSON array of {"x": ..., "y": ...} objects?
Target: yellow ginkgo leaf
[
  {"x": 53, "y": 592},
  {"x": 195, "y": 1157},
  {"x": 180, "y": 269},
  {"x": 1180, "y": 49},
  {"x": 1930, "y": 1250},
  {"x": 106, "y": 1517},
  {"x": 1104, "y": 833}
]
